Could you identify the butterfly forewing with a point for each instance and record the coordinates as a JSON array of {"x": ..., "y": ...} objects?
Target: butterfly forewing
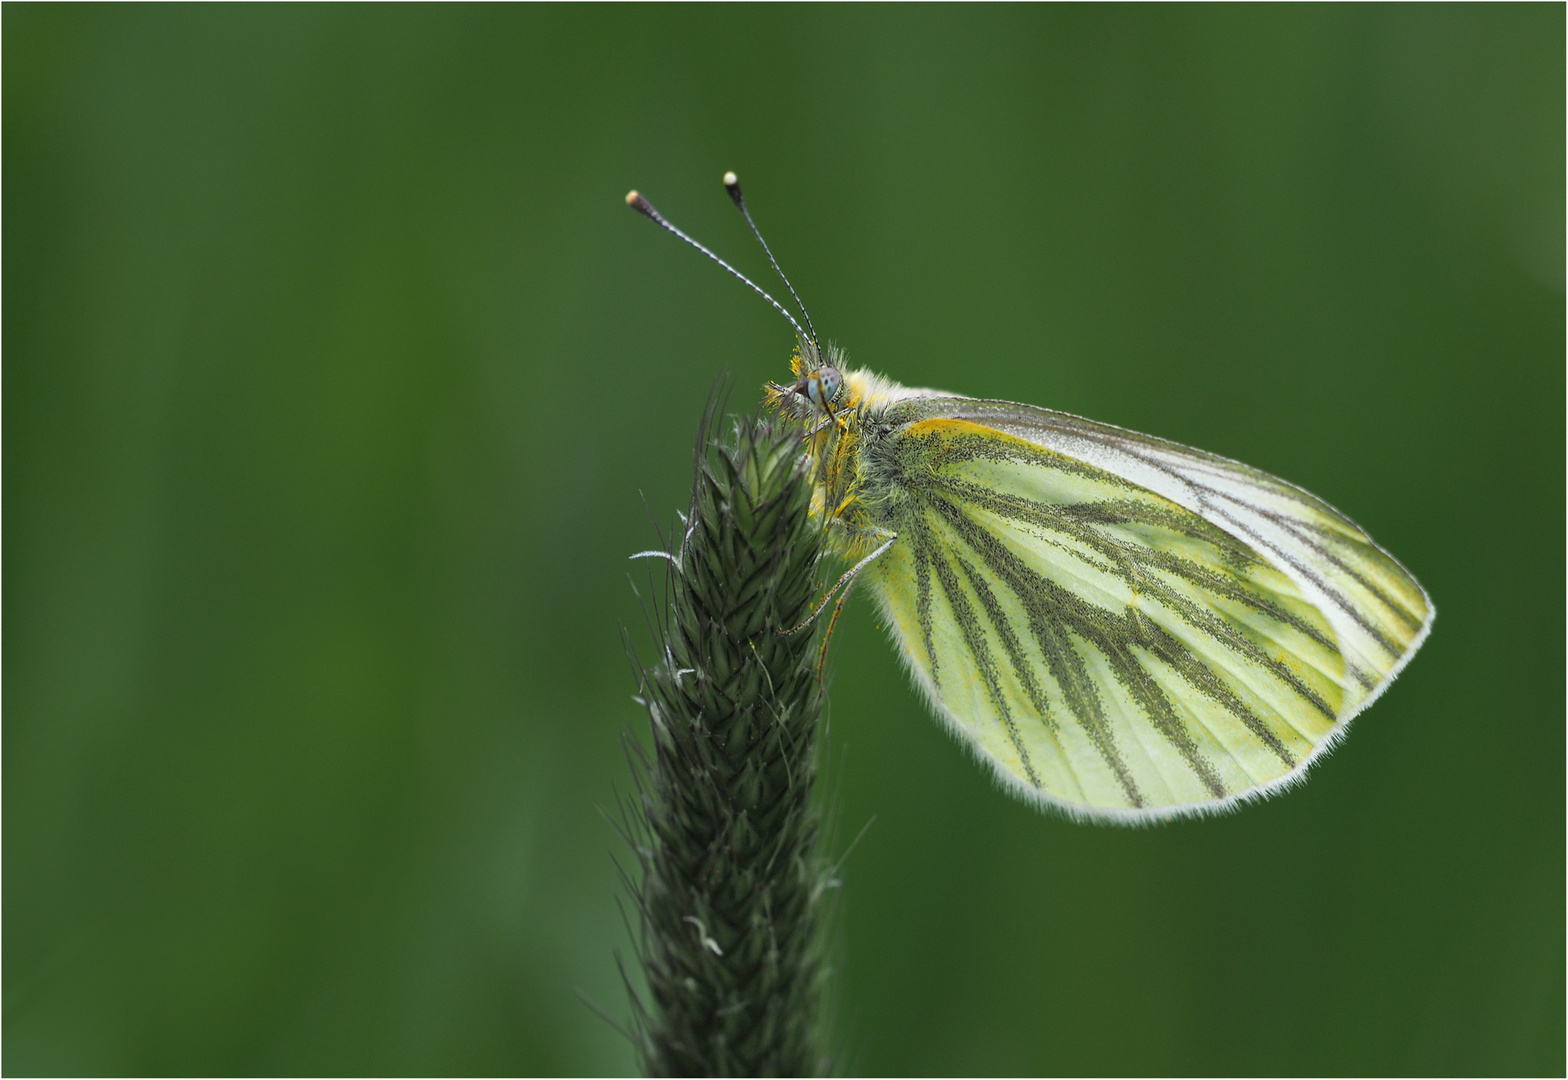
[
  {"x": 1378, "y": 611},
  {"x": 1121, "y": 625}
]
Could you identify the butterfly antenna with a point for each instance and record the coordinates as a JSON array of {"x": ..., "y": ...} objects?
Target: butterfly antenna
[
  {"x": 645, "y": 208},
  {"x": 732, "y": 185}
]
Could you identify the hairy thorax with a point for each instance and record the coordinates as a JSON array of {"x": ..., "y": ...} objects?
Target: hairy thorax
[{"x": 865, "y": 475}]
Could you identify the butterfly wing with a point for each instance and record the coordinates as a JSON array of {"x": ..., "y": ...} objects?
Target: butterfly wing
[{"x": 1123, "y": 626}]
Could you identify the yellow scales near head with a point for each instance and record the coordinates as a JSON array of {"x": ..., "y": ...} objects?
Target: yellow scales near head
[{"x": 1122, "y": 627}]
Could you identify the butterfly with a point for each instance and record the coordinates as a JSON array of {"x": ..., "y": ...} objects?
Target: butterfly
[{"x": 1123, "y": 628}]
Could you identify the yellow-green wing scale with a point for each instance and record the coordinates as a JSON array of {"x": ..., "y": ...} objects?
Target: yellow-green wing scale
[{"x": 1123, "y": 627}]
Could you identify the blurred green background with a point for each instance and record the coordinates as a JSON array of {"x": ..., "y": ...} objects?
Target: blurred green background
[{"x": 334, "y": 367}]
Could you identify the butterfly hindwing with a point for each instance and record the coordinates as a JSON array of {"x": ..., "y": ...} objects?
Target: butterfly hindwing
[{"x": 1107, "y": 639}]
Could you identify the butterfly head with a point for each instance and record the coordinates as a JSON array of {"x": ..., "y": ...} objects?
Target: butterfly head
[
  {"x": 819, "y": 388},
  {"x": 814, "y": 394}
]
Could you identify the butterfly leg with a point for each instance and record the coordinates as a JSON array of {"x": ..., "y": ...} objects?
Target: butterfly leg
[
  {"x": 822, "y": 654},
  {"x": 848, "y": 581},
  {"x": 842, "y": 583}
]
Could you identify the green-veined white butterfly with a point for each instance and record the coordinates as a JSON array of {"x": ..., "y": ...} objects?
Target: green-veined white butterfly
[{"x": 1122, "y": 627}]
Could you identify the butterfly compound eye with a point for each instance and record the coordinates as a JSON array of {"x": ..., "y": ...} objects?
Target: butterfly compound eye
[
  {"x": 831, "y": 381},
  {"x": 822, "y": 386}
]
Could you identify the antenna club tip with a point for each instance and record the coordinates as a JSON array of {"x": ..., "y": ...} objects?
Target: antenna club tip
[
  {"x": 731, "y": 180},
  {"x": 632, "y": 198}
]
